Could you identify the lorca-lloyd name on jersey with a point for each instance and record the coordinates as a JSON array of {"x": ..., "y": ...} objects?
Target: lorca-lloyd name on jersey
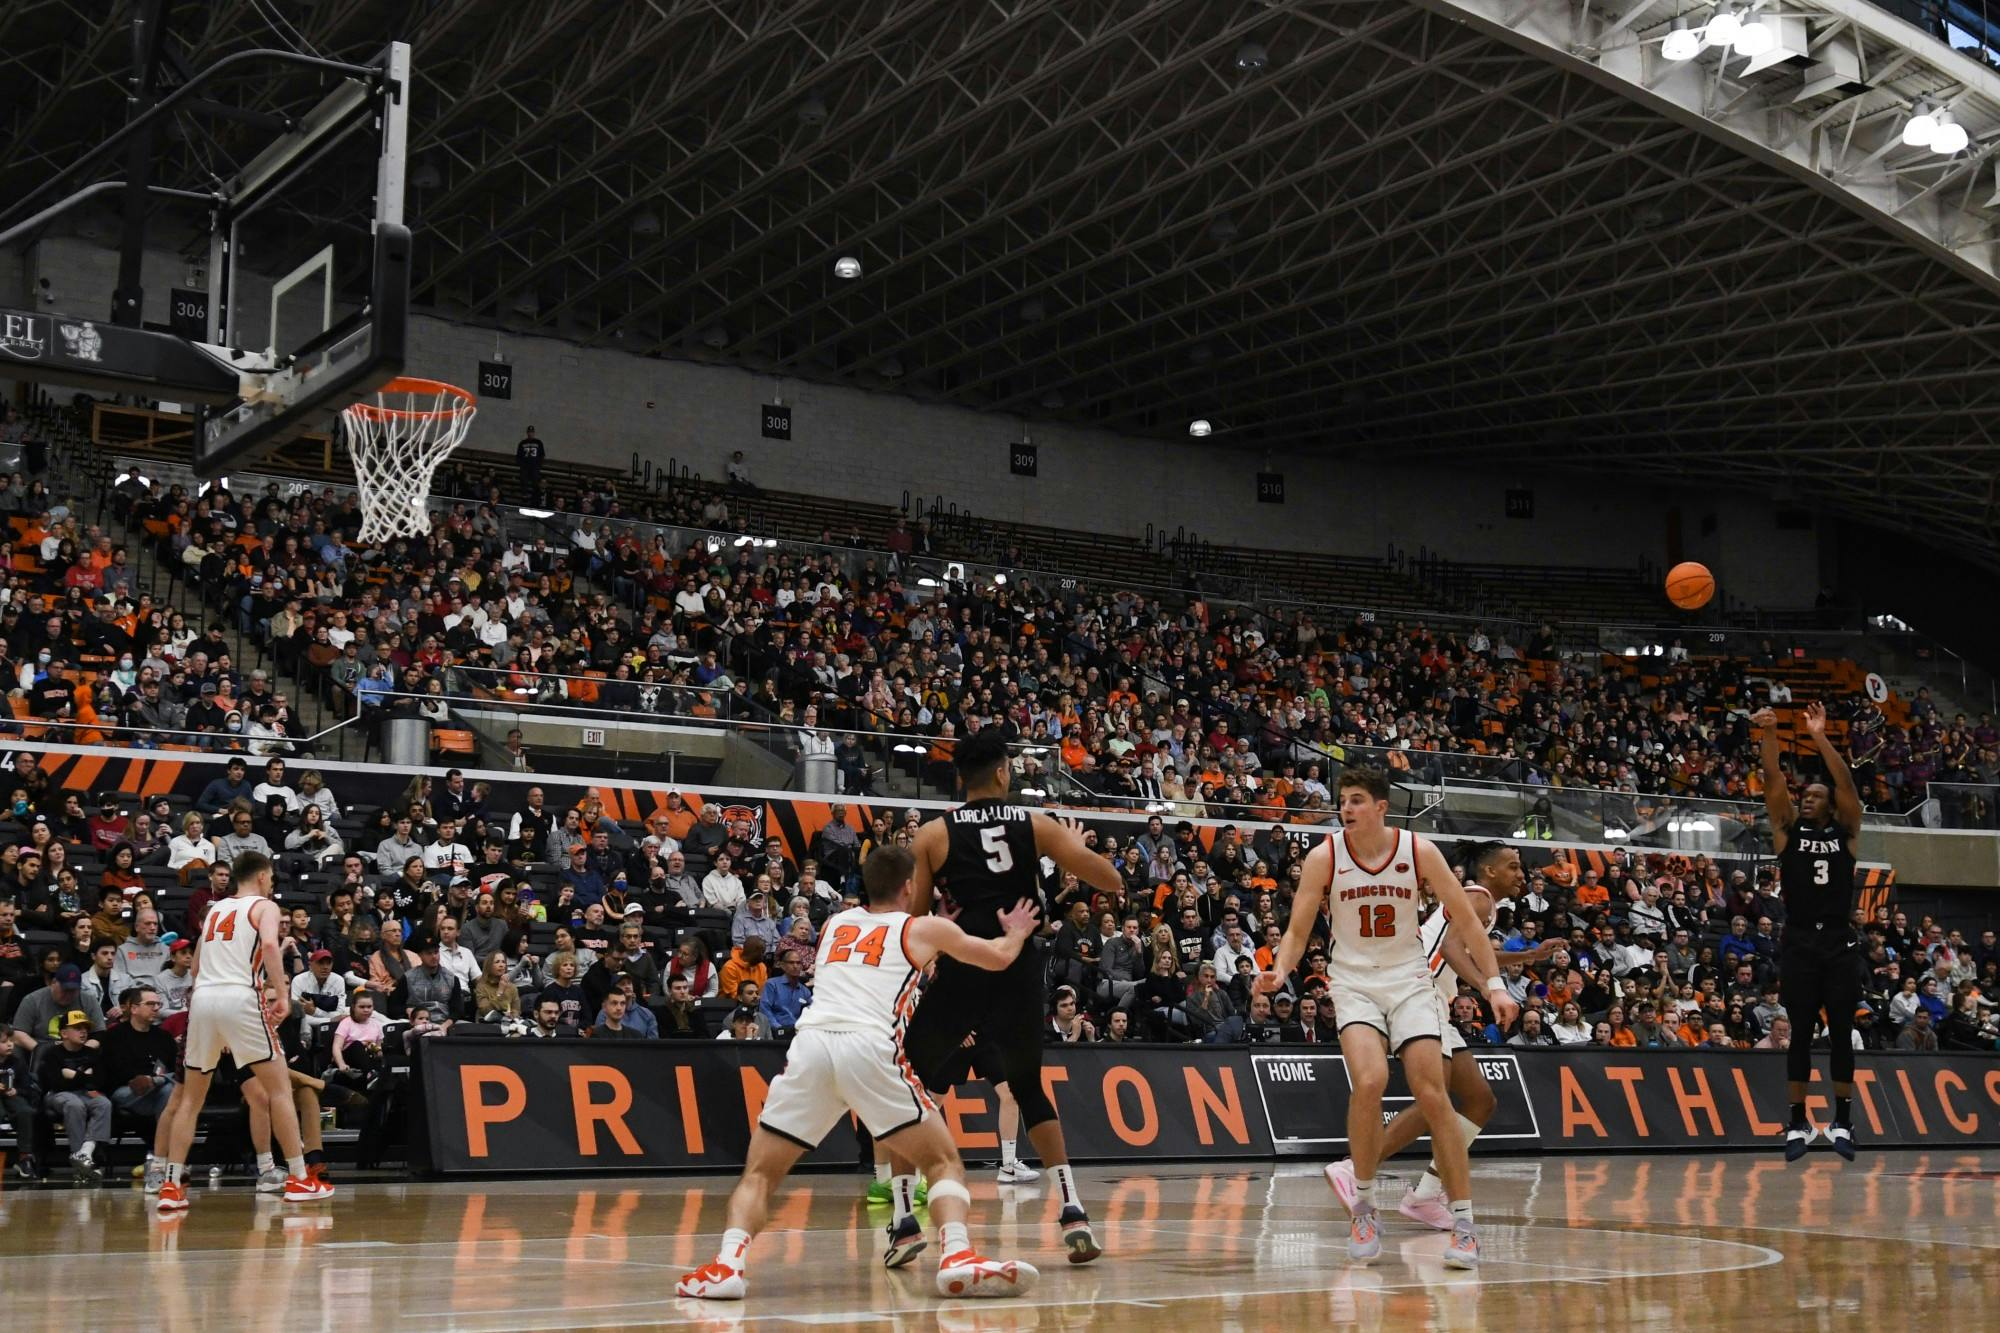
[
  {"x": 1819, "y": 846},
  {"x": 987, "y": 814},
  {"x": 1377, "y": 891}
]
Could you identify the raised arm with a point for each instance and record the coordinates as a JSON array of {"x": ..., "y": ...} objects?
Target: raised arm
[
  {"x": 1066, "y": 847},
  {"x": 933, "y": 935},
  {"x": 1777, "y": 796},
  {"x": 1462, "y": 924},
  {"x": 1315, "y": 875},
  {"x": 1846, "y": 800}
]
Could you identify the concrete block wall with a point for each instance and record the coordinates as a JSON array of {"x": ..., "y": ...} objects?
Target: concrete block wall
[{"x": 604, "y": 405}]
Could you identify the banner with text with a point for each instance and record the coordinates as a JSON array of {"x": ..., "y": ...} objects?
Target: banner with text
[{"x": 500, "y": 1105}]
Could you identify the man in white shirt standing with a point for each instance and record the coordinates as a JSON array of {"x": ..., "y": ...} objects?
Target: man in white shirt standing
[{"x": 454, "y": 957}]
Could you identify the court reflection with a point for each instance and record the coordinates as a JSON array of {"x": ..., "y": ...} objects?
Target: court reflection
[{"x": 1735, "y": 1242}]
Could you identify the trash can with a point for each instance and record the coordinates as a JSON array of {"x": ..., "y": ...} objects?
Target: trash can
[
  {"x": 406, "y": 741},
  {"x": 816, "y": 773}
]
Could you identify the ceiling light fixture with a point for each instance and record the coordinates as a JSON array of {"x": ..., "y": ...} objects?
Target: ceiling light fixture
[
  {"x": 1754, "y": 36},
  {"x": 1922, "y": 126},
  {"x": 1950, "y": 137},
  {"x": 1200, "y": 428},
  {"x": 1723, "y": 26},
  {"x": 847, "y": 266},
  {"x": 1682, "y": 42}
]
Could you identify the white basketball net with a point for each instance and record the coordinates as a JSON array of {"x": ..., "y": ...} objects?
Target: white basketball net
[{"x": 397, "y": 442}]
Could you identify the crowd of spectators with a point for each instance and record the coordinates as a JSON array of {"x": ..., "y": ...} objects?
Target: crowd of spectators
[
  {"x": 455, "y": 908},
  {"x": 1129, "y": 698}
]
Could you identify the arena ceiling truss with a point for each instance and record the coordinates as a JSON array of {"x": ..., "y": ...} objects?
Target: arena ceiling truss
[{"x": 1477, "y": 231}]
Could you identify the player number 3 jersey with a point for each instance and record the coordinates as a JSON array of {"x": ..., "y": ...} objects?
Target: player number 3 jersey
[
  {"x": 1372, "y": 908},
  {"x": 864, "y": 980}
]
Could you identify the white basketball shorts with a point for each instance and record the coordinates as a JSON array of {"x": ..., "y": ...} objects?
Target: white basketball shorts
[
  {"x": 1400, "y": 1003},
  {"x": 830, "y": 1072},
  {"x": 227, "y": 1018}
]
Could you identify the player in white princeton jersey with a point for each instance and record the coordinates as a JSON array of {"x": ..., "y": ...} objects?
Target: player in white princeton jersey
[
  {"x": 1495, "y": 875},
  {"x": 237, "y": 1002},
  {"x": 848, "y": 1055},
  {"x": 1367, "y": 876}
]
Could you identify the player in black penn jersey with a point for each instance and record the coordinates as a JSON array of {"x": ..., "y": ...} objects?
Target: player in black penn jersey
[
  {"x": 1820, "y": 962},
  {"x": 985, "y": 851}
]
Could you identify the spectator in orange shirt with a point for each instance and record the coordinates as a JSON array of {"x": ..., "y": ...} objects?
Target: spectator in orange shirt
[
  {"x": 1590, "y": 893},
  {"x": 746, "y": 963},
  {"x": 1621, "y": 1031}
]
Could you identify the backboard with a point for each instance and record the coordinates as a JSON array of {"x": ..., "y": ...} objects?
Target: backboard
[{"x": 331, "y": 325}]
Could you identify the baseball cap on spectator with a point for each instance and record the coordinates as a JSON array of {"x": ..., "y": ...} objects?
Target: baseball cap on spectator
[
  {"x": 69, "y": 976},
  {"x": 634, "y": 909},
  {"x": 208, "y": 687},
  {"x": 319, "y": 955},
  {"x": 179, "y": 946},
  {"x": 742, "y": 1014},
  {"x": 76, "y": 1018}
]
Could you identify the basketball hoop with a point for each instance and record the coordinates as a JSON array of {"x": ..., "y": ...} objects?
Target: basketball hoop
[{"x": 397, "y": 442}]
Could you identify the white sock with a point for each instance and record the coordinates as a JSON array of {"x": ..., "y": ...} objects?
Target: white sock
[
  {"x": 1461, "y": 1211},
  {"x": 296, "y": 1167},
  {"x": 1364, "y": 1193},
  {"x": 883, "y": 1171},
  {"x": 903, "y": 1190},
  {"x": 174, "y": 1170},
  {"x": 952, "y": 1239},
  {"x": 1066, "y": 1186},
  {"x": 735, "y": 1249},
  {"x": 265, "y": 1162},
  {"x": 1007, "y": 1152}
]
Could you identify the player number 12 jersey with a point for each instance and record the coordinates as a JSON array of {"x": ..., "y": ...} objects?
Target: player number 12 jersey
[{"x": 1372, "y": 908}]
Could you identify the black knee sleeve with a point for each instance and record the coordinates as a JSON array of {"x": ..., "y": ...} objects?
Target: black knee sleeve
[
  {"x": 1798, "y": 1056},
  {"x": 1036, "y": 1108},
  {"x": 1841, "y": 1066}
]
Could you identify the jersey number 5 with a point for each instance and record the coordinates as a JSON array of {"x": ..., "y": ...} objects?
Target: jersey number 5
[
  {"x": 848, "y": 941},
  {"x": 221, "y": 924},
  {"x": 1378, "y": 922},
  {"x": 999, "y": 856}
]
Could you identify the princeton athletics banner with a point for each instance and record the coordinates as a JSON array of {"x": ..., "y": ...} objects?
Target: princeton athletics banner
[{"x": 495, "y": 1104}]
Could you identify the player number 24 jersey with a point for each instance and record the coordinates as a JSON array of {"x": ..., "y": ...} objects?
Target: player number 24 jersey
[{"x": 864, "y": 980}]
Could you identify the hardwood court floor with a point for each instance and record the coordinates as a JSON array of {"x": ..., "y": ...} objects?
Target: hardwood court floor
[{"x": 1684, "y": 1242}]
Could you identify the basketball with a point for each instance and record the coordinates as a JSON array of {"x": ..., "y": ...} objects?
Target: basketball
[{"x": 1690, "y": 585}]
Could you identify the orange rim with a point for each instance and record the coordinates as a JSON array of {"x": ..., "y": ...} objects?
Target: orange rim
[{"x": 453, "y": 400}]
